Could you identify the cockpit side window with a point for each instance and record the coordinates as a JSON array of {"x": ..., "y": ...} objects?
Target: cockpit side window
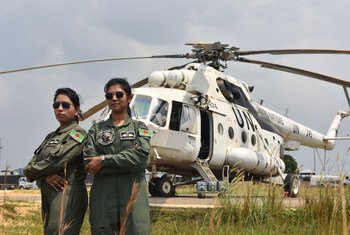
[
  {"x": 159, "y": 112},
  {"x": 232, "y": 92}
]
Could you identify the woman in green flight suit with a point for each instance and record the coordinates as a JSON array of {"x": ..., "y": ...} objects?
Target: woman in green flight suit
[
  {"x": 58, "y": 167},
  {"x": 116, "y": 151}
]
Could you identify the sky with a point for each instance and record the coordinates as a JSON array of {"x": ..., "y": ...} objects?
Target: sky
[{"x": 41, "y": 32}]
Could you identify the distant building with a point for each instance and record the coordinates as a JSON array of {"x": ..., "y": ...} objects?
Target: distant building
[{"x": 18, "y": 171}]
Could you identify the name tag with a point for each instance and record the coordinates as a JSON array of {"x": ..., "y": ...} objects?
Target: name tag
[
  {"x": 53, "y": 142},
  {"x": 127, "y": 135}
]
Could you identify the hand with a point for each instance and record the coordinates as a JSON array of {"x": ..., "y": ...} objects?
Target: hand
[
  {"x": 56, "y": 181},
  {"x": 94, "y": 165}
]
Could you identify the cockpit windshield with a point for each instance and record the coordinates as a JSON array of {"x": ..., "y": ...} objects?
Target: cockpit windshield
[
  {"x": 141, "y": 106},
  {"x": 146, "y": 108}
]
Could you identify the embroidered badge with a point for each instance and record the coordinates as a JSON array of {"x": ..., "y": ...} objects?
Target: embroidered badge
[
  {"x": 145, "y": 132},
  {"x": 105, "y": 137},
  {"x": 127, "y": 135},
  {"x": 53, "y": 142},
  {"x": 77, "y": 136}
]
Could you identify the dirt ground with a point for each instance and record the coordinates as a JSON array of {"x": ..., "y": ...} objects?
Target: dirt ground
[{"x": 182, "y": 201}]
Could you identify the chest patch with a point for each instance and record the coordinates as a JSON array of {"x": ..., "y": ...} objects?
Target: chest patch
[
  {"x": 105, "y": 137},
  {"x": 53, "y": 142},
  {"x": 127, "y": 135}
]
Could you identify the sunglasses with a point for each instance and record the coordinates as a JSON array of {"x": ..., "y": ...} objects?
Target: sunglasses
[
  {"x": 118, "y": 94},
  {"x": 64, "y": 104}
]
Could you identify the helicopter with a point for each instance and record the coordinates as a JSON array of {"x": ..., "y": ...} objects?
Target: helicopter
[{"x": 207, "y": 127}]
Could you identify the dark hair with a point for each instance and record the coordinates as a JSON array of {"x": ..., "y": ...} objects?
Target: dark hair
[
  {"x": 72, "y": 95},
  {"x": 119, "y": 81},
  {"x": 123, "y": 83}
]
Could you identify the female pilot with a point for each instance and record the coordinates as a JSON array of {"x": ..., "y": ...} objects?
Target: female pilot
[
  {"x": 117, "y": 154},
  {"x": 58, "y": 167}
]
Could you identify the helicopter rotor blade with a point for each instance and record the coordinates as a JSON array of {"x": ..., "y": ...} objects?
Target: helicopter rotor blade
[
  {"x": 176, "y": 56},
  {"x": 93, "y": 110},
  {"x": 140, "y": 83},
  {"x": 293, "y": 52},
  {"x": 302, "y": 72}
]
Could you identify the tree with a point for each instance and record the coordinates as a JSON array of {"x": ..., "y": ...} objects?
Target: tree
[{"x": 291, "y": 164}]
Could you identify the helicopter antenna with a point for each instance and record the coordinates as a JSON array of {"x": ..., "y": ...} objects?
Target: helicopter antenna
[{"x": 346, "y": 94}]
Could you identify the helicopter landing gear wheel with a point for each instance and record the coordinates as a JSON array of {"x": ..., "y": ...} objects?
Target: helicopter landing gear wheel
[
  {"x": 165, "y": 187},
  {"x": 153, "y": 187},
  {"x": 291, "y": 185},
  {"x": 201, "y": 195}
]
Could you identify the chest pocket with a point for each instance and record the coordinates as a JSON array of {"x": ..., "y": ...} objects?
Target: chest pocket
[
  {"x": 43, "y": 144},
  {"x": 55, "y": 152}
]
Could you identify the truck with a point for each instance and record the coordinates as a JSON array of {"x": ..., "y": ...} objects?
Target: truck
[{"x": 23, "y": 183}]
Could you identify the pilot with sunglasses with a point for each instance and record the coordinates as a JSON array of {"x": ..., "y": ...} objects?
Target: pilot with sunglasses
[
  {"x": 58, "y": 167},
  {"x": 116, "y": 152}
]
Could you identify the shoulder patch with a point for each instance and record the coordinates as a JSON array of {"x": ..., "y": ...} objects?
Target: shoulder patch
[
  {"x": 77, "y": 136},
  {"x": 145, "y": 132}
]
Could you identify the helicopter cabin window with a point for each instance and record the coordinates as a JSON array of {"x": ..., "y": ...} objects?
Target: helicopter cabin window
[
  {"x": 244, "y": 137},
  {"x": 141, "y": 106},
  {"x": 159, "y": 112},
  {"x": 182, "y": 118},
  {"x": 220, "y": 129},
  {"x": 253, "y": 140},
  {"x": 231, "y": 133},
  {"x": 188, "y": 119}
]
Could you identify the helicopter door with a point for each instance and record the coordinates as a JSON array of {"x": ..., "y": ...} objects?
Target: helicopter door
[
  {"x": 188, "y": 119},
  {"x": 206, "y": 149},
  {"x": 185, "y": 121}
]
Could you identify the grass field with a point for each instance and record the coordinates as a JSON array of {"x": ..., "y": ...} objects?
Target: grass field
[{"x": 325, "y": 211}]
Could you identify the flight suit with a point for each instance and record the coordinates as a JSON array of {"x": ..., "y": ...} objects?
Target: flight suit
[
  {"x": 60, "y": 148},
  {"x": 126, "y": 150}
]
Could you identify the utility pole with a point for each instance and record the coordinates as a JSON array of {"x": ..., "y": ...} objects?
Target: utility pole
[
  {"x": 0, "y": 154},
  {"x": 314, "y": 161}
]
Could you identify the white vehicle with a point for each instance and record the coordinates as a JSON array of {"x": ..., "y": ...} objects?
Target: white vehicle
[
  {"x": 24, "y": 184},
  {"x": 205, "y": 123},
  {"x": 327, "y": 180}
]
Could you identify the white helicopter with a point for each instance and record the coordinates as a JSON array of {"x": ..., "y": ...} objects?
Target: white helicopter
[{"x": 206, "y": 125}]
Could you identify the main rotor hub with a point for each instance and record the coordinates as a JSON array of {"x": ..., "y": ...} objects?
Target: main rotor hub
[{"x": 213, "y": 53}]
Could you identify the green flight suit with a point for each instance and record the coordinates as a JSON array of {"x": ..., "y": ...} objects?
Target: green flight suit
[
  {"x": 126, "y": 149},
  {"x": 63, "y": 146}
]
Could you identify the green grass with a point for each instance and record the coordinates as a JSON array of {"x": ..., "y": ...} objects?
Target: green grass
[
  {"x": 322, "y": 214},
  {"x": 25, "y": 218},
  {"x": 325, "y": 211}
]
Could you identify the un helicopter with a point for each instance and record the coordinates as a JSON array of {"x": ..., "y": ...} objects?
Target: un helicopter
[{"x": 207, "y": 127}]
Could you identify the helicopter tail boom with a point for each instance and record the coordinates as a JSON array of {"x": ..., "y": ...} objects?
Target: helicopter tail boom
[
  {"x": 296, "y": 134},
  {"x": 333, "y": 129}
]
